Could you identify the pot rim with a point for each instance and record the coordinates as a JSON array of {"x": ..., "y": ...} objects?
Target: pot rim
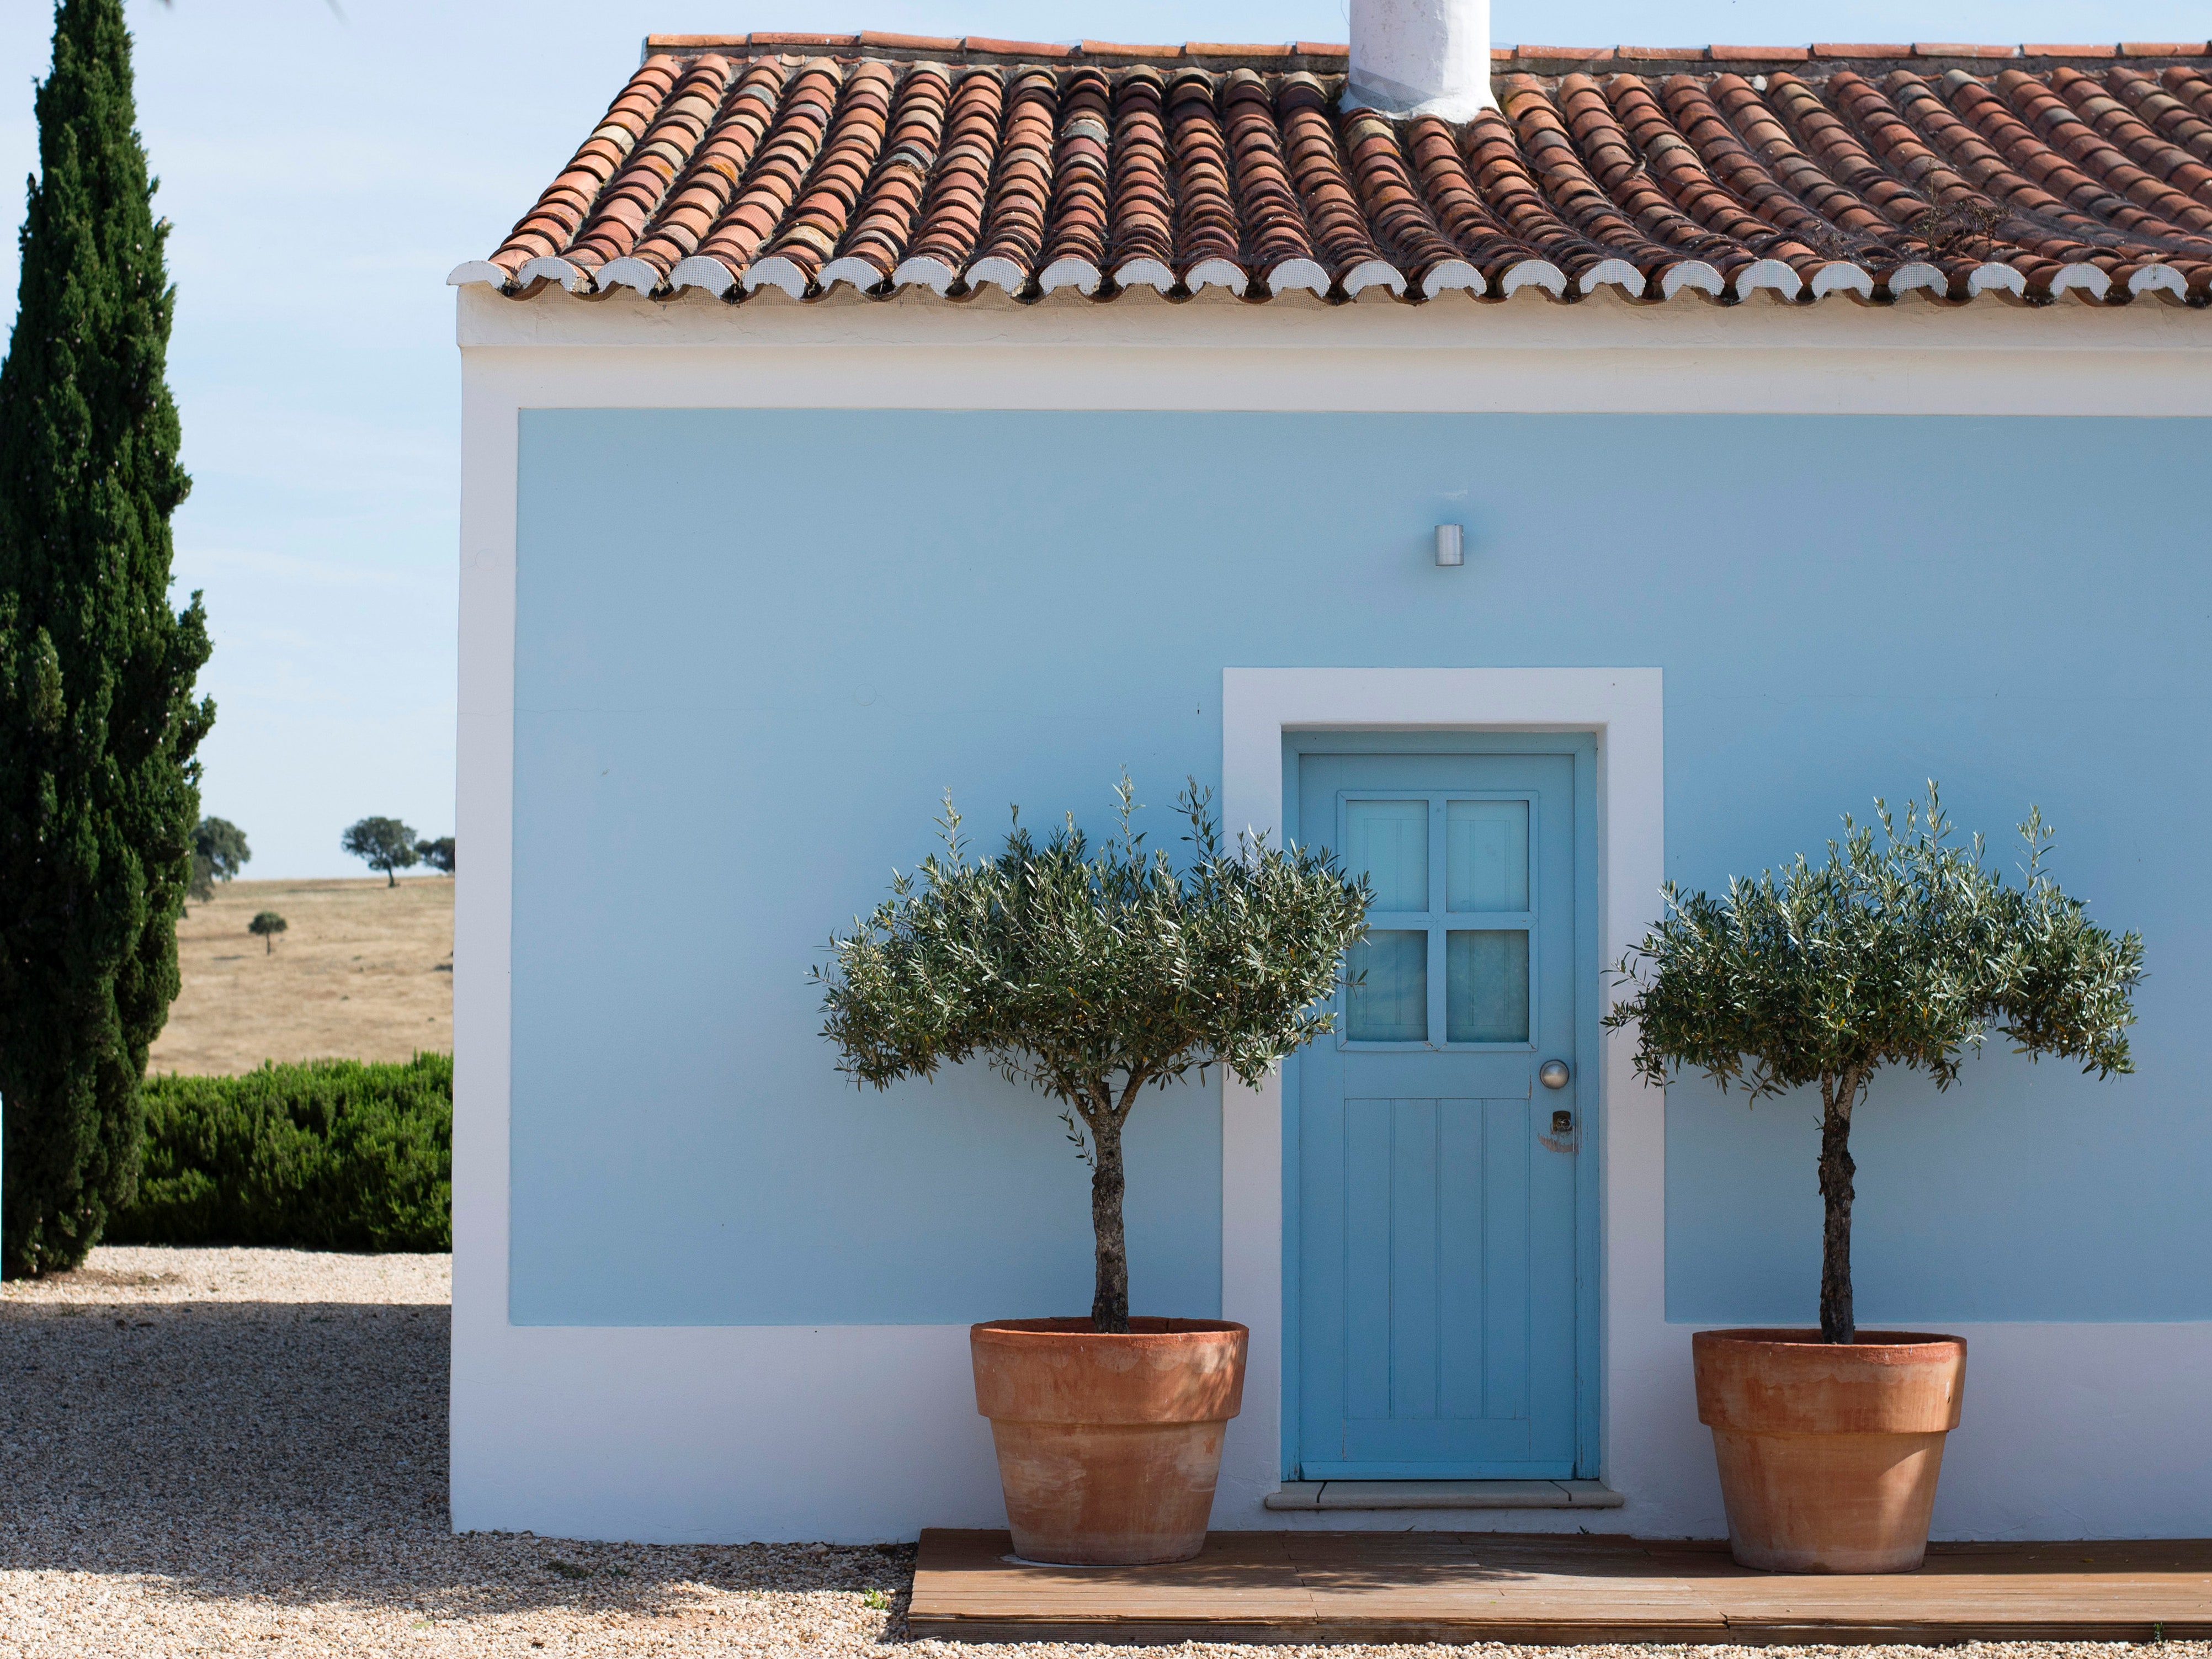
[
  {"x": 1799, "y": 1336},
  {"x": 1143, "y": 1327}
]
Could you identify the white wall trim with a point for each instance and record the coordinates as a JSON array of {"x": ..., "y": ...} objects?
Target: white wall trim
[
  {"x": 483, "y": 918},
  {"x": 1625, "y": 708},
  {"x": 1600, "y": 356}
]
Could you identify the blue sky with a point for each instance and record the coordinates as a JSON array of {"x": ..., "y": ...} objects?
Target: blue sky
[{"x": 325, "y": 171}]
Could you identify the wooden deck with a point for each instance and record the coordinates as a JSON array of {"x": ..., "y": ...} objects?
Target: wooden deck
[{"x": 1492, "y": 1587}]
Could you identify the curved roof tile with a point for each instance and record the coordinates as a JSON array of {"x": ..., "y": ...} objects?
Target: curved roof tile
[{"x": 811, "y": 163}]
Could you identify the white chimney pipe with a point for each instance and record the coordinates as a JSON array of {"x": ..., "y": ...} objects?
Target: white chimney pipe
[{"x": 1420, "y": 58}]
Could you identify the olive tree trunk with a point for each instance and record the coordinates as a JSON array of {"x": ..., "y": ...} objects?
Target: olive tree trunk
[
  {"x": 1837, "y": 1095},
  {"x": 1109, "y": 1302}
]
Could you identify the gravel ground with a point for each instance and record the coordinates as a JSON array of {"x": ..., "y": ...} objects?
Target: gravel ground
[{"x": 243, "y": 1452}]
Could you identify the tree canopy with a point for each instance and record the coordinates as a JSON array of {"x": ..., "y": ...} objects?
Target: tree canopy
[
  {"x": 99, "y": 785},
  {"x": 386, "y": 845},
  {"x": 1090, "y": 973},
  {"x": 265, "y": 926},
  {"x": 1905, "y": 951},
  {"x": 219, "y": 853},
  {"x": 438, "y": 854}
]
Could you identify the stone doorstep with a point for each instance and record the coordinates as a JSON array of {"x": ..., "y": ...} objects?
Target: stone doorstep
[{"x": 1444, "y": 1495}]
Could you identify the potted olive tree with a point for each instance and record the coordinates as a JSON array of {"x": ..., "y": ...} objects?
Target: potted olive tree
[
  {"x": 1903, "y": 952},
  {"x": 1091, "y": 974}
]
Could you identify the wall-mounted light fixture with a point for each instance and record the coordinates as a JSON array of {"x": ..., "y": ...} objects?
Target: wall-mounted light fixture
[{"x": 1451, "y": 547}]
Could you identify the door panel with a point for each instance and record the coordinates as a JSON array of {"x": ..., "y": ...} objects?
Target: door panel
[{"x": 1436, "y": 1209}]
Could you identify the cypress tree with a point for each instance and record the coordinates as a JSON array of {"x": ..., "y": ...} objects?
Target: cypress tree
[{"x": 99, "y": 791}]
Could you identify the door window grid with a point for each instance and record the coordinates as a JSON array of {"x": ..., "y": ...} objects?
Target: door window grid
[{"x": 1435, "y": 859}]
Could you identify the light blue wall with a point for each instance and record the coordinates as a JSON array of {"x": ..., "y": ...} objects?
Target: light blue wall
[{"x": 752, "y": 649}]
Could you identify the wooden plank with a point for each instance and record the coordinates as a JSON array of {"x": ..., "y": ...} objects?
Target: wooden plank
[
  {"x": 2109, "y": 1591},
  {"x": 967, "y": 1584},
  {"x": 1586, "y": 1589},
  {"x": 1286, "y": 1586},
  {"x": 2123, "y": 1590}
]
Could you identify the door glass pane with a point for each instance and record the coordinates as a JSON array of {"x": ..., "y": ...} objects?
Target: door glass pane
[
  {"x": 1486, "y": 987},
  {"x": 1486, "y": 854},
  {"x": 1391, "y": 1005},
  {"x": 1390, "y": 842}
]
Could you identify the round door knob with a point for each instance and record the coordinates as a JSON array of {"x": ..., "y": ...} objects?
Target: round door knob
[{"x": 1554, "y": 1074}]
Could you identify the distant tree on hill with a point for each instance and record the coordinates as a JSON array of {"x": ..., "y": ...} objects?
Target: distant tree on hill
[
  {"x": 265, "y": 927},
  {"x": 438, "y": 854},
  {"x": 384, "y": 845},
  {"x": 219, "y": 851},
  {"x": 99, "y": 722}
]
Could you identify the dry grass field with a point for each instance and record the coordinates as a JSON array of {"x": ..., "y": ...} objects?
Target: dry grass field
[{"x": 363, "y": 972}]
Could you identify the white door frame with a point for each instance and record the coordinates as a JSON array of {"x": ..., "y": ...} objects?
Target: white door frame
[{"x": 1625, "y": 708}]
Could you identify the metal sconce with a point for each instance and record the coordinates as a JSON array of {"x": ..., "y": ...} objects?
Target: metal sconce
[{"x": 1451, "y": 545}]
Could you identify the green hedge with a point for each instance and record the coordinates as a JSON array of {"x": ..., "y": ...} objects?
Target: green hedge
[{"x": 330, "y": 1155}]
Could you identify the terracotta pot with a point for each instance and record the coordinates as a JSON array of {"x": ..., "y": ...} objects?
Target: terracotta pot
[
  {"x": 1109, "y": 1445},
  {"x": 1829, "y": 1454}
]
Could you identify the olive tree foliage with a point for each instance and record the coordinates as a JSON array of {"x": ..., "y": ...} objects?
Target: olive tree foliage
[
  {"x": 1090, "y": 973},
  {"x": 1901, "y": 951}
]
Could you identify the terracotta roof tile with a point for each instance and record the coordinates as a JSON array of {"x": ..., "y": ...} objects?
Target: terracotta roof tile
[
  {"x": 1115, "y": 48},
  {"x": 811, "y": 163},
  {"x": 1015, "y": 48},
  {"x": 944, "y": 43},
  {"x": 770, "y": 38}
]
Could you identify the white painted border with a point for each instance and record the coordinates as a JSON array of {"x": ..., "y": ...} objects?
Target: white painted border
[
  {"x": 860, "y": 1433},
  {"x": 1597, "y": 356},
  {"x": 1625, "y": 708},
  {"x": 484, "y": 815}
]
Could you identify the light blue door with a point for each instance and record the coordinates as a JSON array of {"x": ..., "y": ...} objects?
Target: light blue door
[{"x": 1436, "y": 1172}]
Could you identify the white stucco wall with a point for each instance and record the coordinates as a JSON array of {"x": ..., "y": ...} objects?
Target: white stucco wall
[{"x": 865, "y": 1432}]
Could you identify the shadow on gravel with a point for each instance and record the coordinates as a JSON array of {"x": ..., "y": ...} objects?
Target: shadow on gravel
[{"x": 295, "y": 1453}]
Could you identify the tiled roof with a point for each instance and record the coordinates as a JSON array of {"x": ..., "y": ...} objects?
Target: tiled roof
[{"x": 873, "y": 164}]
